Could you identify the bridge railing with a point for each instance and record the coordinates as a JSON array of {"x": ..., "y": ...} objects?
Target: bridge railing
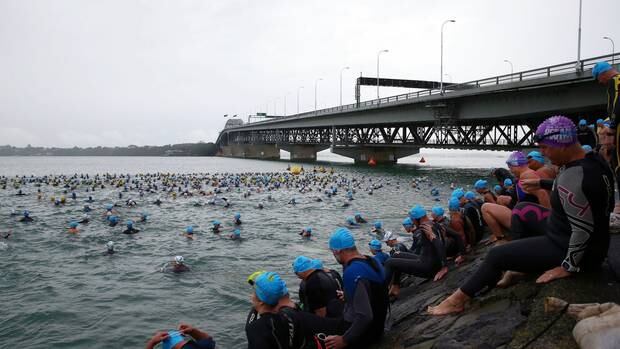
[{"x": 537, "y": 73}]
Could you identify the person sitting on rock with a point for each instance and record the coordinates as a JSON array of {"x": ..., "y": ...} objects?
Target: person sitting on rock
[{"x": 575, "y": 236}]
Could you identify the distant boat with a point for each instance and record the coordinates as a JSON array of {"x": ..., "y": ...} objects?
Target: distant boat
[
  {"x": 372, "y": 162},
  {"x": 422, "y": 160}
]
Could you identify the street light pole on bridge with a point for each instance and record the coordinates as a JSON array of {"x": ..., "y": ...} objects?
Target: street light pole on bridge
[
  {"x": 379, "y": 54},
  {"x": 579, "y": 40},
  {"x": 613, "y": 48},
  {"x": 512, "y": 70},
  {"x": 441, "y": 54}
]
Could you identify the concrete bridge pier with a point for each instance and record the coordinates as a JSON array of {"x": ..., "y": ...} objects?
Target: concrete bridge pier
[
  {"x": 303, "y": 153},
  {"x": 381, "y": 154},
  {"x": 251, "y": 151}
]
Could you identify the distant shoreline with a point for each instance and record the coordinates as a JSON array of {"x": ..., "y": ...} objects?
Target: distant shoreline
[{"x": 184, "y": 149}]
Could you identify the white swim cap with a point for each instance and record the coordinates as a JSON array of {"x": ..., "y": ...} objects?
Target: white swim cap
[
  {"x": 110, "y": 244},
  {"x": 179, "y": 259}
]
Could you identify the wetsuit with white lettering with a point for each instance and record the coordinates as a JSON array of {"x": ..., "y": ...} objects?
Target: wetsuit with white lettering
[{"x": 576, "y": 233}]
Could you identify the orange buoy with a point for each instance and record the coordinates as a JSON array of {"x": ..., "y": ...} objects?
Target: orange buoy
[
  {"x": 372, "y": 162},
  {"x": 422, "y": 160}
]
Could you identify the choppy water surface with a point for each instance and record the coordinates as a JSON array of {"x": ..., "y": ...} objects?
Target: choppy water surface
[{"x": 59, "y": 290}]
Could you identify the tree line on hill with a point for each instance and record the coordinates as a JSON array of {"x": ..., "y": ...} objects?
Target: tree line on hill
[{"x": 185, "y": 149}]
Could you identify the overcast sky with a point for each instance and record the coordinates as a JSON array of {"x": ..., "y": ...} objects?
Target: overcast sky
[{"x": 149, "y": 72}]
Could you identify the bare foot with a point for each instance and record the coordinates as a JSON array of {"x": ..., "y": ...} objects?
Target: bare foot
[
  {"x": 446, "y": 307},
  {"x": 509, "y": 279}
]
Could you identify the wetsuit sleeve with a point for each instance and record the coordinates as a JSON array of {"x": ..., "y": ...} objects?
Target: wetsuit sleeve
[
  {"x": 256, "y": 336},
  {"x": 439, "y": 247},
  {"x": 460, "y": 244},
  {"x": 363, "y": 312},
  {"x": 546, "y": 184},
  {"x": 579, "y": 214}
]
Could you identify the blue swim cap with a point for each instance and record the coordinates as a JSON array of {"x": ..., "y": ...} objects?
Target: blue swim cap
[
  {"x": 586, "y": 148},
  {"x": 237, "y": 215},
  {"x": 582, "y": 122},
  {"x": 470, "y": 195},
  {"x": 458, "y": 193},
  {"x": 536, "y": 156},
  {"x": 189, "y": 229},
  {"x": 237, "y": 232},
  {"x": 308, "y": 229},
  {"x": 507, "y": 182},
  {"x": 113, "y": 219},
  {"x": 375, "y": 245},
  {"x": 341, "y": 239},
  {"x": 407, "y": 222},
  {"x": 109, "y": 207},
  {"x": 129, "y": 224},
  {"x": 600, "y": 68},
  {"x": 497, "y": 188},
  {"x": 358, "y": 215},
  {"x": 73, "y": 224},
  {"x": 378, "y": 225},
  {"x": 302, "y": 264},
  {"x": 26, "y": 213},
  {"x": 174, "y": 338},
  {"x": 438, "y": 211},
  {"x": 216, "y": 222},
  {"x": 600, "y": 121},
  {"x": 454, "y": 204},
  {"x": 317, "y": 264},
  {"x": 417, "y": 212},
  {"x": 481, "y": 184},
  {"x": 350, "y": 220},
  {"x": 269, "y": 288}
]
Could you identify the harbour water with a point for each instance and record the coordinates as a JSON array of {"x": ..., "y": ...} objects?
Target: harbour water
[{"x": 60, "y": 290}]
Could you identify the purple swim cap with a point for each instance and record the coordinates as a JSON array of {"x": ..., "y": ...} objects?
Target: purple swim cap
[
  {"x": 516, "y": 159},
  {"x": 556, "y": 131}
]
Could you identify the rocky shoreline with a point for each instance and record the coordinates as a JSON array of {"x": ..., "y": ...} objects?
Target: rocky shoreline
[{"x": 501, "y": 318}]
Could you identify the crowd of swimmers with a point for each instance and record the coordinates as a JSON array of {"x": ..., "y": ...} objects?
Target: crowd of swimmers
[{"x": 548, "y": 214}]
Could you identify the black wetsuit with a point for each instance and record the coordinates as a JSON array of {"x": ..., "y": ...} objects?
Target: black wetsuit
[
  {"x": 426, "y": 265},
  {"x": 455, "y": 245},
  {"x": 473, "y": 212},
  {"x": 400, "y": 247},
  {"x": 367, "y": 302},
  {"x": 287, "y": 329},
  {"x": 26, "y": 219},
  {"x": 319, "y": 291},
  {"x": 131, "y": 230},
  {"x": 576, "y": 233}
]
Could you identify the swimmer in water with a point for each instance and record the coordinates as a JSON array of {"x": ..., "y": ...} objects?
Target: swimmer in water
[
  {"x": 109, "y": 248},
  {"x": 86, "y": 208},
  {"x": 306, "y": 233},
  {"x": 112, "y": 221},
  {"x": 179, "y": 266},
  {"x": 359, "y": 218},
  {"x": 85, "y": 219},
  {"x": 143, "y": 217},
  {"x": 189, "y": 232},
  {"x": 236, "y": 235},
  {"x": 237, "y": 219},
  {"x": 217, "y": 226},
  {"x": 292, "y": 202},
  {"x": 378, "y": 254},
  {"x": 260, "y": 206},
  {"x": 130, "y": 229},
  {"x": 351, "y": 222},
  {"x": 26, "y": 218},
  {"x": 157, "y": 202},
  {"x": 73, "y": 227},
  {"x": 5, "y": 235},
  {"x": 378, "y": 229}
]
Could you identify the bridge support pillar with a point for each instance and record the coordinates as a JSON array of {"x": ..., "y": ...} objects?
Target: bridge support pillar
[
  {"x": 251, "y": 151},
  {"x": 303, "y": 153},
  {"x": 381, "y": 155}
]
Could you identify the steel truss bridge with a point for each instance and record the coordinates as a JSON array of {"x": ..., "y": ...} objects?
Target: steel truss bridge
[{"x": 498, "y": 113}]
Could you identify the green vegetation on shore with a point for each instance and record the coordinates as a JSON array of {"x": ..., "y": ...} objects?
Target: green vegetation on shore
[{"x": 184, "y": 149}]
